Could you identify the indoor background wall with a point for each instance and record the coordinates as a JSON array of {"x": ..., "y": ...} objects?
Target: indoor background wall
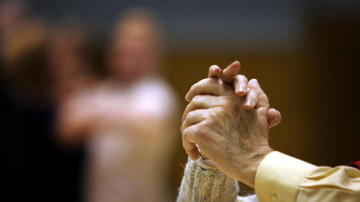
[{"x": 305, "y": 55}]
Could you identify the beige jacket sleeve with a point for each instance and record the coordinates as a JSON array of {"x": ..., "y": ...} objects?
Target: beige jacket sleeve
[{"x": 283, "y": 178}]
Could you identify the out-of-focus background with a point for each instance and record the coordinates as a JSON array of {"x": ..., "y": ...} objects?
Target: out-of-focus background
[{"x": 91, "y": 92}]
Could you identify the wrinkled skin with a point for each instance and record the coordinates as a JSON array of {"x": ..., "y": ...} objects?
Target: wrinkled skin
[{"x": 228, "y": 129}]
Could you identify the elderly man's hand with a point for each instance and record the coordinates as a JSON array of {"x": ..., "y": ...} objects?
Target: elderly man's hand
[{"x": 217, "y": 123}]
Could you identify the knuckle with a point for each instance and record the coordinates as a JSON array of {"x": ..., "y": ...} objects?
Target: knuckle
[
  {"x": 205, "y": 81},
  {"x": 208, "y": 123},
  {"x": 196, "y": 99},
  {"x": 186, "y": 111},
  {"x": 199, "y": 84},
  {"x": 189, "y": 115},
  {"x": 195, "y": 134},
  {"x": 186, "y": 136},
  {"x": 182, "y": 127}
]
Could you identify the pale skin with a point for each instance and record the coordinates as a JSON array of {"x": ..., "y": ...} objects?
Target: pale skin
[{"x": 228, "y": 120}]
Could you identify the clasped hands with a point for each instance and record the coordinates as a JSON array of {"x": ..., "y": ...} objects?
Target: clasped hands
[{"x": 227, "y": 121}]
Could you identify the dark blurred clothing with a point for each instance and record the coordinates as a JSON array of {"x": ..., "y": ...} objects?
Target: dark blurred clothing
[{"x": 33, "y": 166}]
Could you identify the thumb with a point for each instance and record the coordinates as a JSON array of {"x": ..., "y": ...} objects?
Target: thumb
[{"x": 231, "y": 71}]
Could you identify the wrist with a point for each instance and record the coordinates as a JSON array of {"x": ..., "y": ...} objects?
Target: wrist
[
  {"x": 247, "y": 169},
  {"x": 206, "y": 163}
]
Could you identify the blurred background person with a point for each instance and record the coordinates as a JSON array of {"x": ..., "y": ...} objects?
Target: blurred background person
[
  {"x": 127, "y": 121},
  {"x": 35, "y": 167},
  {"x": 71, "y": 60},
  {"x": 13, "y": 17}
]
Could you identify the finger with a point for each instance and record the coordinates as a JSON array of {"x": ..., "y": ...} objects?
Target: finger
[
  {"x": 274, "y": 117},
  {"x": 191, "y": 150},
  {"x": 240, "y": 85},
  {"x": 231, "y": 71},
  {"x": 191, "y": 136},
  {"x": 208, "y": 86},
  {"x": 194, "y": 133},
  {"x": 214, "y": 72},
  {"x": 194, "y": 117},
  {"x": 251, "y": 99},
  {"x": 202, "y": 102},
  {"x": 263, "y": 100}
]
